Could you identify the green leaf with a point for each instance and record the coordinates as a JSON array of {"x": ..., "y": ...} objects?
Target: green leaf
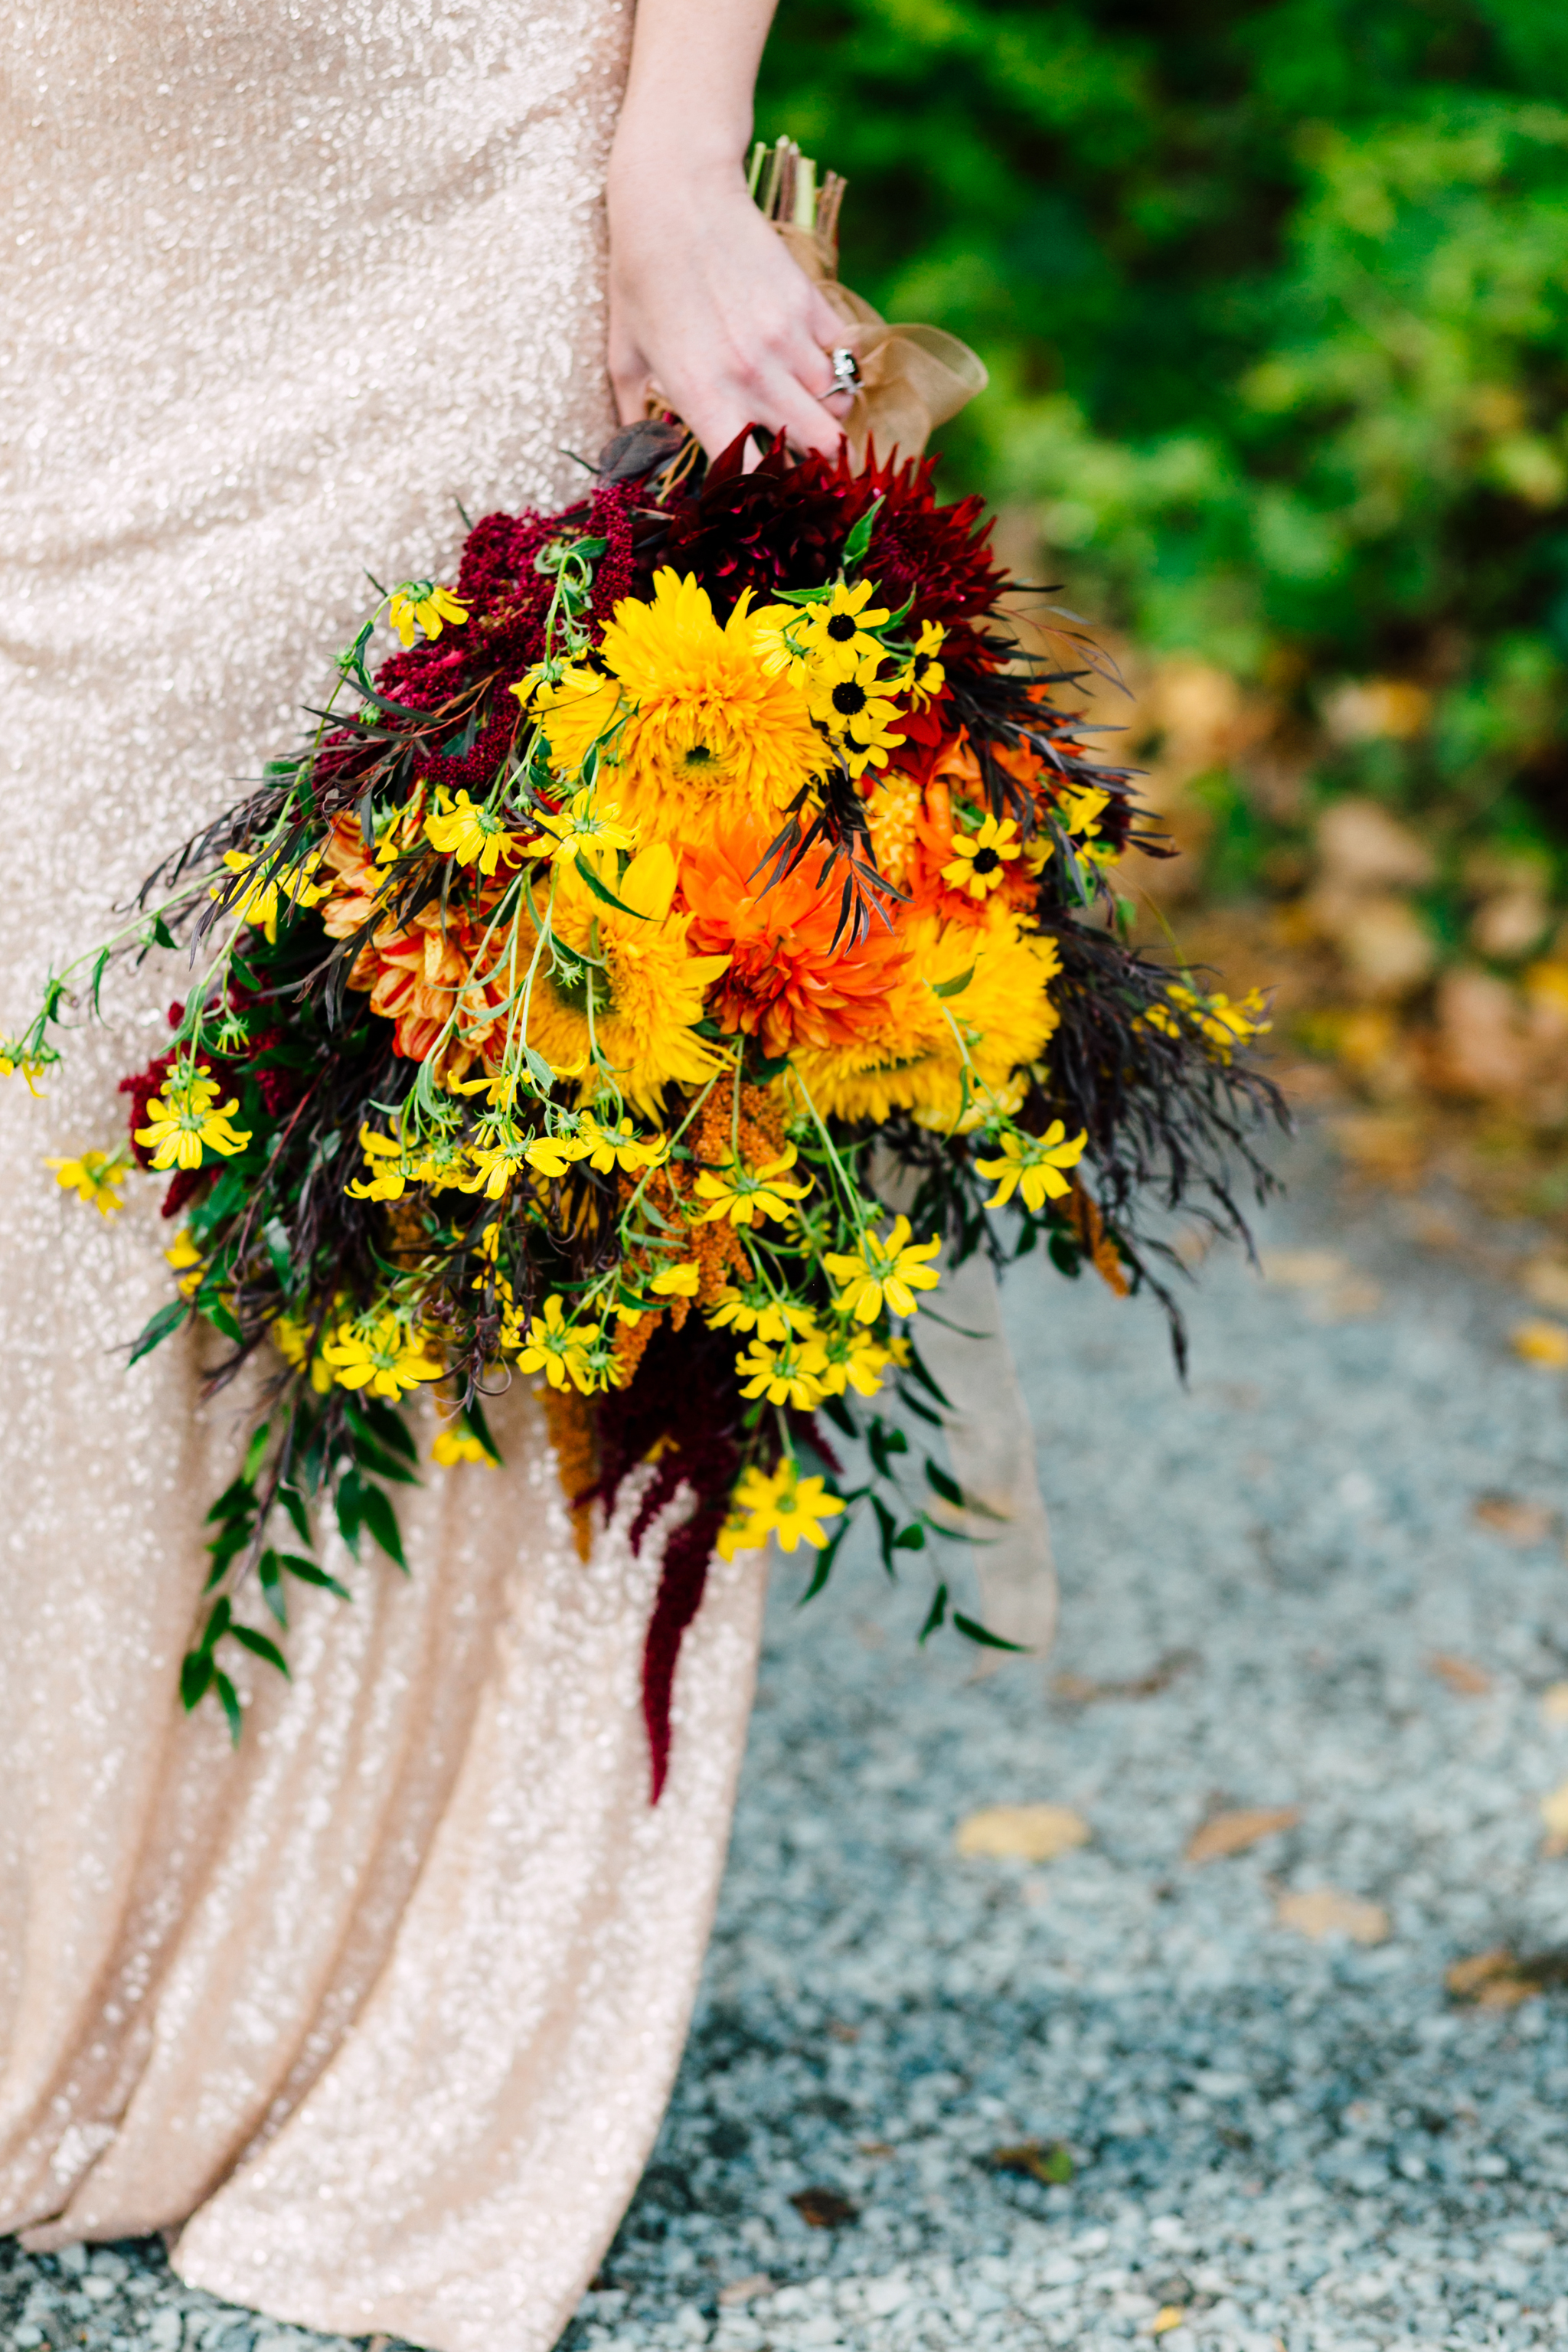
[
  {"x": 954, "y": 987},
  {"x": 255, "y": 1454},
  {"x": 1055, "y": 2164},
  {"x": 262, "y": 1645},
  {"x": 539, "y": 1069},
  {"x": 197, "y": 1671},
  {"x": 231, "y": 1707},
  {"x": 824, "y": 1568},
  {"x": 217, "y": 1624},
  {"x": 218, "y": 1315},
  {"x": 275, "y": 1234},
  {"x": 309, "y": 1573},
  {"x": 887, "y": 1532},
  {"x": 162, "y": 936},
  {"x": 917, "y": 1366},
  {"x": 236, "y": 1501},
  {"x": 387, "y": 1424},
  {"x": 910, "y": 1539},
  {"x": 940, "y": 1483},
  {"x": 882, "y": 1441},
  {"x": 349, "y": 1505},
  {"x": 271, "y": 1579},
  {"x": 602, "y": 890},
  {"x": 294, "y": 1507},
  {"x": 974, "y": 1632},
  {"x": 382, "y": 1520},
  {"x": 859, "y": 539},
  {"x": 474, "y": 1414},
  {"x": 935, "y": 1615},
  {"x": 157, "y": 1329}
]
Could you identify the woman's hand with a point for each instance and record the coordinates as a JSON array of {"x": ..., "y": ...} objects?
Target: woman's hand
[{"x": 705, "y": 302}]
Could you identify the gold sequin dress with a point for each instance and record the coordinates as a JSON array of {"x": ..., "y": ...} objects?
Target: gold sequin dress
[{"x": 382, "y": 2007}]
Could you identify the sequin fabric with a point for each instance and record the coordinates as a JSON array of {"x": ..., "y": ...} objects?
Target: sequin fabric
[{"x": 382, "y": 2007}]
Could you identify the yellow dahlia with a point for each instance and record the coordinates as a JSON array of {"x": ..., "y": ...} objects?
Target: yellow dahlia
[
  {"x": 997, "y": 975},
  {"x": 713, "y": 740},
  {"x": 637, "y": 975}
]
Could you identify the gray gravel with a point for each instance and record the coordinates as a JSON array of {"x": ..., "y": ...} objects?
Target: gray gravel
[{"x": 1289, "y": 2143}]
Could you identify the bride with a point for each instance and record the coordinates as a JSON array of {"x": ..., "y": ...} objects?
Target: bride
[{"x": 379, "y": 2011}]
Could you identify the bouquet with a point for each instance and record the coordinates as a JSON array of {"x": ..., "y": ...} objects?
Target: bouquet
[{"x": 702, "y": 916}]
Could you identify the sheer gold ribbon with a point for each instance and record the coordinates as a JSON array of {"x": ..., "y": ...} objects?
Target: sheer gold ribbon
[{"x": 912, "y": 378}]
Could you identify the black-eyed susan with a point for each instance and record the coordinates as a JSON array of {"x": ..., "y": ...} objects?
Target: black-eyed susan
[
  {"x": 856, "y": 711},
  {"x": 840, "y": 629},
  {"x": 1032, "y": 1165},
  {"x": 883, "y": 1271},
  {"x": 980, "y": 860},
  {"x": 923, "y": 678}
]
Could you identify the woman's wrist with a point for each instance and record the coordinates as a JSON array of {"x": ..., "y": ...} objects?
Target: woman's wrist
[{"x": 648, "y": 154}]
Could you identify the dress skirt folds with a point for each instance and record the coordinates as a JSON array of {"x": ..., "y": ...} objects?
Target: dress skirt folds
[{"x": 380, "y": 2009}]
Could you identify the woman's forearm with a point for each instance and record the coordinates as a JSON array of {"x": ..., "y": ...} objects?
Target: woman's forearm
[{"x": 693, "y": 72}]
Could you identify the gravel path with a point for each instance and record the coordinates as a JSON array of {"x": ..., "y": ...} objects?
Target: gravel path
[{"x": 1274, "y": 2140}]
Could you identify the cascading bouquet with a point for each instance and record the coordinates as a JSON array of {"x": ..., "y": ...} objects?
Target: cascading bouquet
[{"x": 702, "y": 916}]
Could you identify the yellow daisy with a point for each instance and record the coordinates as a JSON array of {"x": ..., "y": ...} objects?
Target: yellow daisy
[{"x": 980, "y": 860}]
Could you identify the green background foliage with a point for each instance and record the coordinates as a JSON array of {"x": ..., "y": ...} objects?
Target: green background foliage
[{"x": 1274, "y": 299}]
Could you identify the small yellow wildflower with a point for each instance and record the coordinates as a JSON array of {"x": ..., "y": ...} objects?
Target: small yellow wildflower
[
  {"x": 1081, "y": 811},
  {"x": 293, "y": 1337},
  {"x": 15, "y": 1056},
  {"x": 745, "y": 1194},
  {"x": 753, "y": 1310},
  {"x": 258, "y": 904},
  {"x": 380, "y": 1352},
  {"x": 784, "y": 1503},
  {"x": 385, "y": 1167},
  {"x": 463, "y": 829},
  {"x": 561, "y": 1350},
  {"x": 93, "y": 1177},
  {"x": 891, "y": 1269},
  {"x": 980, "y": 860},
  {"x": 185, "y": 1259},
  {"x": 423, "y": 602},
  {"x": 458, "y": 1444},
  {"x": 579, "y": 830},
  {"x": 1032, "y": 1164},
  {"x": 187, "y": 1119},
  {"x": 620, "y": 1146},
  {"x": 854, "y": 1361},
  {"x": 1221, "y": 1023},
  {"x": 497, "y": 1157},
  {"x": 1542, "y": 1342},
  {"x": 677, "y": 1281},
  {"x": 785, "y": 1375},
  {"x": 552, "y": 1155}
]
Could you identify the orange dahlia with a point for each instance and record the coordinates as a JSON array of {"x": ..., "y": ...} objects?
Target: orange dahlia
[{"x": 786, "y": 983}]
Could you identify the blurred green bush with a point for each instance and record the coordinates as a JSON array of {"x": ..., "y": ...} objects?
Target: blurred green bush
[{"x": 1274, "y": 299}]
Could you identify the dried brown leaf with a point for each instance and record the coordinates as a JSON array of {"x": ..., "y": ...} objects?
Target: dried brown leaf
[
  {"x": 1515, "y": 1521},
  {"x": 823, "y": 2209},
  {"x": 1233, "y": 1832},
  {"x": 1320, "y": 1911},
  {"x": 741, "y": 2290},
  {"x": 1021, "y": 1832},
  {"x": 1465, "y": 1679}
]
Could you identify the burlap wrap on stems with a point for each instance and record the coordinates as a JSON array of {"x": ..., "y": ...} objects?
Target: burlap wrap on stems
[{"x": 912, "y": 378}]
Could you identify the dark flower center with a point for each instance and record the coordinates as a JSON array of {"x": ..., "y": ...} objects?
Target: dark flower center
[
  {"x": 986, "y": 861},
  {"x": 919, "y": 666},
  {"x": 849, "y": 698},
  {"x": 698, "y": 756},
  {"x": 842, "y": 628}
]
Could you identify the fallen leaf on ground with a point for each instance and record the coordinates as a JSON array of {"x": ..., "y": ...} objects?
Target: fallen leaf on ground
[
  {"x": 1382, "y": 1145},
  {"x": 1541, "y": 1343},
  {"x": 1555, "y": 1813},
  {"x": 1233, "y": 1832},
  {"x": 823, "y": 2209},
  {"x": 1021, "y": 1832},
  {"x": 1304, "y": 1269},
  {"x": 1320, "y": 1911},
  {"x": 1169, "y": 2316},
  {"x": 1079, "y": 1690},
  {"x": 876, "y": 2147},
  {"x": 1344, "y": 1302},
  {"x": 1554, "y": 1702},
  {"x": 1036, "y": 2159},
  {"x": 842, "y": 2032},
  {"x": 1545, "y": 1279},
  {"x": 1501, "y": 1979},
  {"x": 741, "y": 2290},
  {"x": 1516, "y": 1521},
  {"x": 1467, "y": 1680}
]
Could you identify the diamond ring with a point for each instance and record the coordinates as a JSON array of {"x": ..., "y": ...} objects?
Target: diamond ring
[{"x": 846, "y": 370}]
